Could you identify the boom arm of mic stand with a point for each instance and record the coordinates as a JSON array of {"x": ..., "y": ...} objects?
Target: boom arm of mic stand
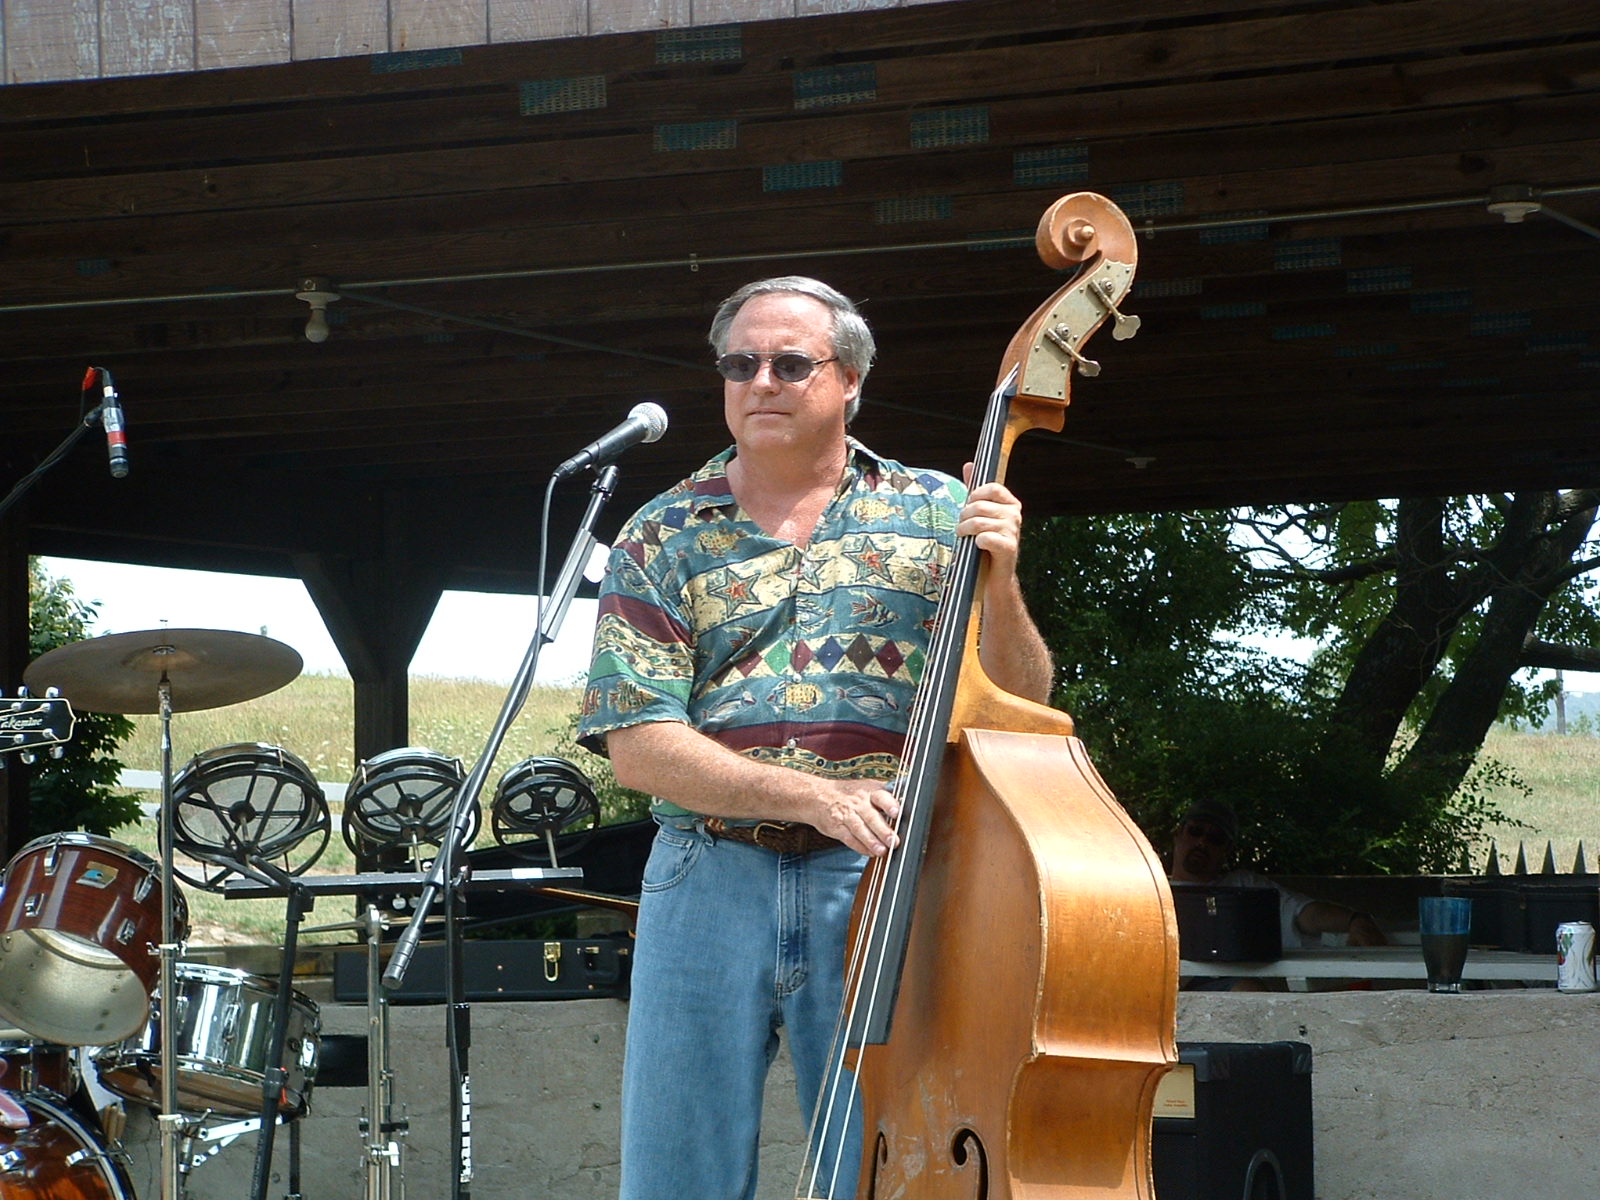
[
  {"x": 583, "y": 545},
  {"x": 24, "y": 484}
]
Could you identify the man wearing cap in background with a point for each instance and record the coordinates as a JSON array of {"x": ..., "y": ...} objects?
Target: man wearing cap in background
[{"x": 1204, "y": 843}]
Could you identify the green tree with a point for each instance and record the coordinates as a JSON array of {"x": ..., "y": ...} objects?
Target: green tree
[
  {"x": 78, "y": 790},
  {"x": 1364, "y": 758}
]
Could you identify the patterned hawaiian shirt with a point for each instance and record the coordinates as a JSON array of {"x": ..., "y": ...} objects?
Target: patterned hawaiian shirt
[{"x": 806, "y": 657}]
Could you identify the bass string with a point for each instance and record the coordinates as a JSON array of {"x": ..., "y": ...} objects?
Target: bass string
[{"x": 893, "y": 876}]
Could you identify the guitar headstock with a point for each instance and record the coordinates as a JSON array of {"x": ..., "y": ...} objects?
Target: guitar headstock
[{"x": 31, "y": 723}]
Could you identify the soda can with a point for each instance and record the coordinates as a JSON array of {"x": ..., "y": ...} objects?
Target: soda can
[{"x": 1575, "y": 957}]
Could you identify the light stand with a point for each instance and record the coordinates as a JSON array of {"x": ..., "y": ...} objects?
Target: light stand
[{"x": 447, "y": 878}]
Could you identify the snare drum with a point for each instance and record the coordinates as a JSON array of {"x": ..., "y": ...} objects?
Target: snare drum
[
  {"x": 224, "y": 1028},
  {"x": 81, "y": 922},
  {"x": 48, "y": 1153}
]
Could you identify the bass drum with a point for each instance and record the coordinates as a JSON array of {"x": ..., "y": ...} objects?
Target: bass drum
[
  {"x": 80, "y": 927},
  {"x": 223, "y": 1030},
  {"x": 48, "y": 1153}
]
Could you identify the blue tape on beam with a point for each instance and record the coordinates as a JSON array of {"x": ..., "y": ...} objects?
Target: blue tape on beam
[
  {"x": 830, "y": 87},
  {"x": 904, "y": 209},
  {"x": 711, "y": 43},
  {"x": 415, "y": 60},
  {"x": 577, "y": 93},
  {"x": 796, "y": 177},
  {"x": 1055, "y": 166}
]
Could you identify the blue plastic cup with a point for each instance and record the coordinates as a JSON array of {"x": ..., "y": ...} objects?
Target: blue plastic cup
[{"x": 1443, "y": 923}]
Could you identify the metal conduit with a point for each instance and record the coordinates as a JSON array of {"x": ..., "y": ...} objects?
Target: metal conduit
[{"x": 1534, "y": 203}]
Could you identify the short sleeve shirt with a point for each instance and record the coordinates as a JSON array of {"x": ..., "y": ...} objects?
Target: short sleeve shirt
[{"x": 807, "y": 657}]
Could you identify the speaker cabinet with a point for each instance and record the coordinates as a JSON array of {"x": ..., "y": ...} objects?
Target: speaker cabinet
[{"x": 1233, "y": 1122}]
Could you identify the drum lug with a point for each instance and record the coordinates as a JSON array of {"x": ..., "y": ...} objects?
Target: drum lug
[
  {"x": 32, "y": 906},
  {"x": 11, "y": 1161},
  {"x": 143, "y": 888},
  {"x": 52, "y": 858},
  {"x": 127, "y": 930}
]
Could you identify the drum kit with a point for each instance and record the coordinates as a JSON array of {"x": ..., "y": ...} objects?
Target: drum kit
[{"x": 91, "y": 930}]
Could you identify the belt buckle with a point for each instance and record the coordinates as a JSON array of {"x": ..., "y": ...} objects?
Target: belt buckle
[{"x": 781, "y": 829}]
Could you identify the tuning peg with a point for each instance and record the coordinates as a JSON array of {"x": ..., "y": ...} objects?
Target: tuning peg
[
  {"x": 1126, "y": 326},
  {"x": 1061, "y": 336},
  {"x": 58, "y": 751},
  {"x": 28, "y": 756}
]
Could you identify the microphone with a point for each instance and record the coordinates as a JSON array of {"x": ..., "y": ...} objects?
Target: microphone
[
  {"x": 111, "y": 422},
  {"x": 645, "y": 423}
]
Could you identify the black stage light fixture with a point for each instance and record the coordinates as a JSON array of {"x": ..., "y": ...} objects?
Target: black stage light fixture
[
  {"x": 538, "y": 799},
  {"x": 403, "y": 799},
  {"x": 247, "y": 801}
]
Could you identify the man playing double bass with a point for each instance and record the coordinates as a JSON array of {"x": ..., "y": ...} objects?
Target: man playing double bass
[{"x": 761, "y": 631}]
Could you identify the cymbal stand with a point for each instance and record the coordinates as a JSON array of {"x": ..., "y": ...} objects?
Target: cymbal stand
[
  {"x": 381, "y": 1129},
  {"x": 173, "y": 1124}
]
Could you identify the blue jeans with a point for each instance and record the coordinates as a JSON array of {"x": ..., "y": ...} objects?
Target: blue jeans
[{"x": 733, "y": 942}]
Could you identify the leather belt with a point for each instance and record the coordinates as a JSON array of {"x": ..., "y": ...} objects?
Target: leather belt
[{"x": 781, "y": 837}]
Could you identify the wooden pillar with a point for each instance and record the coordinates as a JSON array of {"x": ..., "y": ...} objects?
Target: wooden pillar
[
  {"x": 376, "y": 611},
  {"x": 14, "y": 658}
]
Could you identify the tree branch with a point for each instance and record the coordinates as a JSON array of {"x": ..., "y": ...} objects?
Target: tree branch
[{"x": 1552, "y": 656}]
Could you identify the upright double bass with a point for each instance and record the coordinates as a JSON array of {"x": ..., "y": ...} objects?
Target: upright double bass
[{"x": 1011, "y": 992}]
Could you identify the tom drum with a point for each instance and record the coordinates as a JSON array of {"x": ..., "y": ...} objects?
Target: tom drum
[{"x": 80, "y": 926}]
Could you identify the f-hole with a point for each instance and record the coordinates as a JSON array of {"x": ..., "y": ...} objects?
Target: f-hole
[{"x": 967, "y": 1152}]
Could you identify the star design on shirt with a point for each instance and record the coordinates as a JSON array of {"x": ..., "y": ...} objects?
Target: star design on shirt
[{"x": 871, "y": 558}]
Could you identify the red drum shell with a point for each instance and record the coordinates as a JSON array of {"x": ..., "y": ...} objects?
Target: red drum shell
[
  {"x": 29, "y": 1065},
  {"x": 57, "y": 1157},
  {"x": 81, "y": 916}
]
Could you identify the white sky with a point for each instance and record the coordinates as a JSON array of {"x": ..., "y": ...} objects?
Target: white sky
[{"x": 473, "y": 635}]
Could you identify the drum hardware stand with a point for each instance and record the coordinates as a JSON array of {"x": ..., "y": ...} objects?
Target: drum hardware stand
[
  {"x": 385, "y": 1175},
  {"x": 448, "y": 875},
  {"x": 202, "y": 1142},
  {"x": 172, "y": 1123}
]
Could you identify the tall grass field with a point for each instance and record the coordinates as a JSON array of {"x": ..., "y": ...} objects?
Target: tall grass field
[{"x": 1558, "y": 804}]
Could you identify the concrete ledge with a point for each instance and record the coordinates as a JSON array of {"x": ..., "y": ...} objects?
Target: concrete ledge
[{"x": 1415, "y": 1097}]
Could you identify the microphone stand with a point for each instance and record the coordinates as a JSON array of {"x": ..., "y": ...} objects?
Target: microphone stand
[
  {"x": 275, "y": 1078},
  {"x": 447, "y": 876},
  {"x": 50, "y": 460}
]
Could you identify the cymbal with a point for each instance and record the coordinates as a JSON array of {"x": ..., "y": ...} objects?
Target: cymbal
[{"x": 121, "y": 672}]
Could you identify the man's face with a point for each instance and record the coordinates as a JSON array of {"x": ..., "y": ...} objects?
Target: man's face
[
  {"x": 767, "y": 413},
  {"x": 1200, "y": 849}
]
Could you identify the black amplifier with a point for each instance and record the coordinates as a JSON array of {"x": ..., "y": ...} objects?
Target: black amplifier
[
  {"x": 1233, "y": 1122},
  {"x": 509, "y": 969}
]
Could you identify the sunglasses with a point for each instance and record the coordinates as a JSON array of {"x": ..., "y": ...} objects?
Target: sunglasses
[
  {"x": 789, "y": 367},
  {"x": 1209, "y": 834}
]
